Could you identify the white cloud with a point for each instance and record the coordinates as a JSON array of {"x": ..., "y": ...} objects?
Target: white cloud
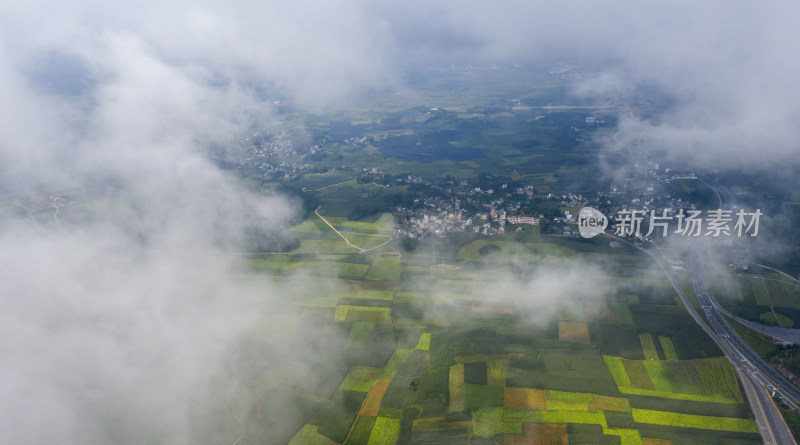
[{"x": 110, "y": 329}]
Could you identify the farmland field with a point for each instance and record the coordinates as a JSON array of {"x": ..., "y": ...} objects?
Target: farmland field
[
  {"x": 481, "y": 335},
  {"x": 572, "y": 331},
  {"x": 384, "y": 431},
  {"x": 694, "y": 421},
  {"x": 668, "y": 347},
  {"x": 436, "y": 354}
]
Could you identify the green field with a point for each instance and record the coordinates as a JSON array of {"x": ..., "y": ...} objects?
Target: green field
[
  {"x": 507, "y": 251},
  {"x": 385, "y": 431},
  {"x": 694, "y": 421},
  {"x": 710, "y": 380},
  {"x": 489, "y": 422},
  {"x": 454, "y": 364},
  {"x": 649, "y": 348},
  {"x": 360, "y": 378},
  {"x": 668, "y": 347},
  {"x": 386, "y": 268},
  {"x": 458, "y": 338}
]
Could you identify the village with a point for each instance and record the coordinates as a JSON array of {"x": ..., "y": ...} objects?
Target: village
[{"x": 494, "y": 212}]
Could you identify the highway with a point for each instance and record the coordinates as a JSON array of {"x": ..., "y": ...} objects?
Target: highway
[
  {"x": 789, "y": 335},
  {"x": 789, "y": 392},
  {"x": 753, "y": 371},
  {"x": 771, "y": 426},
  {"x": 757, "y": 376}
]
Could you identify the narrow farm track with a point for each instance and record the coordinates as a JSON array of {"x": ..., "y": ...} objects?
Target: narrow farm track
[
  {"x": 316, "y": 212},
  {"x": 380, "y": 245},
  {"x": 331, "y": 186},
  {"x": 795, "y": 280},
  {"x": 361, "y": 249}
]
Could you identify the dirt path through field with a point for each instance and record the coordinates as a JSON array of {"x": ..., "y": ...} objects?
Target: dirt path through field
[{"x": 316, "y": 212}]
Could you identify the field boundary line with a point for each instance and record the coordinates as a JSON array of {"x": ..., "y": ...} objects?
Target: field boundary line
[
  {"x": 780, "y": 272},
  {"x": 316, "y": 212},
  {"x": 330, "y": 186}
]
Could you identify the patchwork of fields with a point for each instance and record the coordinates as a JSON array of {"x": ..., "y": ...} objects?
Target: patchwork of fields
[
  {"x": 426, "y": 355},
  {"x": 761, "y": 295}
]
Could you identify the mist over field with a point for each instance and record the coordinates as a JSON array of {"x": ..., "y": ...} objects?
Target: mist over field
[{"x": 118, "y": 322}]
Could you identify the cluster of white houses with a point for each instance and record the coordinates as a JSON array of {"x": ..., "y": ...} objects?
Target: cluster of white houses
[{"x": 523, "y": 220}]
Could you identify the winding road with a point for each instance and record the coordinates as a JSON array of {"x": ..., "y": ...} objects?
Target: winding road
[{"x": 756, "y": 375}]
